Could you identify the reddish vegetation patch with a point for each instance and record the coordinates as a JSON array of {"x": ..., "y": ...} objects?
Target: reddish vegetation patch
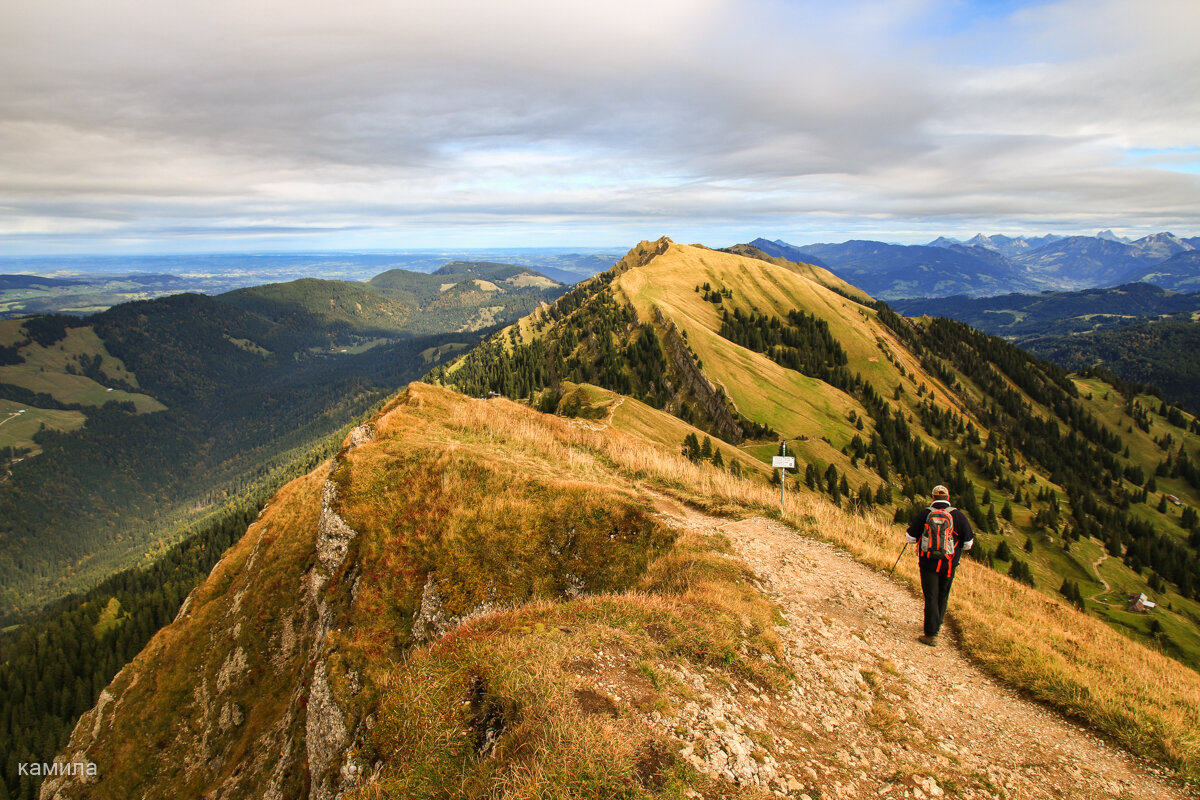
[
  {"x": 653, "y": 763},
  {"x": 580, "y": 666},
  {"x": 592, "y": 702}
]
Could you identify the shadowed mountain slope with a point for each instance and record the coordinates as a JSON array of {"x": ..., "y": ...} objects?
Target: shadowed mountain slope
[{"x": 162, "y": 412}]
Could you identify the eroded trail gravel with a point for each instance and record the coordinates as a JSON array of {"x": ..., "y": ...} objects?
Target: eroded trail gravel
[{"x": 875, "y": 713}]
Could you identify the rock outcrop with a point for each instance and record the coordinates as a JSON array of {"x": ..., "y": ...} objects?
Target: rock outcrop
[{"x": 712, "y": 399}]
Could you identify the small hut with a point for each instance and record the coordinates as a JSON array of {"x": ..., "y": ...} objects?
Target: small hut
[{"x": 1140, "y": 603}]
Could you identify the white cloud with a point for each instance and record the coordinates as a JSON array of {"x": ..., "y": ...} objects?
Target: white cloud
[{"x": 589, "y": 120}]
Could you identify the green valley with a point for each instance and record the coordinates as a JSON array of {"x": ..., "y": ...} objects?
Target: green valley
[{"x": 121, "y": 428}]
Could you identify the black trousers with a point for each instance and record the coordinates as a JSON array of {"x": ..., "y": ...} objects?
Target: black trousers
[{"x": 936, "y": 577}]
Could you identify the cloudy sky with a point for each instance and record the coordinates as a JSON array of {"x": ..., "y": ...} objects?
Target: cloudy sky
[{"x": 263, "y": 124}]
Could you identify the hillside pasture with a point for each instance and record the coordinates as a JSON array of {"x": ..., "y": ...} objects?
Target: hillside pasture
[
  {"x": 50, "y": 369},
  {"x": 19, "y": 423}
]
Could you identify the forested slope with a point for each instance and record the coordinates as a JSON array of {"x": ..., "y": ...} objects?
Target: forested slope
[{"x": 232, "y": 389}]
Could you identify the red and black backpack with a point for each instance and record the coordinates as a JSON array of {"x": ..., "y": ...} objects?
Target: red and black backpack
[{"x": 938, "y": 539}]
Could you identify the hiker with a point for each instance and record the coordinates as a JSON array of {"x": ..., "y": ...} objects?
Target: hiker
[{"x": 942, "y": 533}]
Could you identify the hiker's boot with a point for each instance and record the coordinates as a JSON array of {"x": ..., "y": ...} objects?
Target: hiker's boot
[{"x": 928, "y": 640}]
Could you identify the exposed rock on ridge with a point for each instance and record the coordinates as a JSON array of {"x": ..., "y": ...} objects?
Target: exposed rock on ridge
[
  {"x": 333, "y": 534},
  {"x": 711, "y": 399},
  {"x": 236, "y": 658}
]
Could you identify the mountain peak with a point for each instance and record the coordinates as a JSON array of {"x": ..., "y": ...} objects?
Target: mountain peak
[{"x": 643, "y": 253}]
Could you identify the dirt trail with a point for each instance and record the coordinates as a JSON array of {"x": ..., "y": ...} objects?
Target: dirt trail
[
  {"x": 874, "y": 713},
  {"x": 1096, "y": 566},
  {"x": 602, "y": 424}
]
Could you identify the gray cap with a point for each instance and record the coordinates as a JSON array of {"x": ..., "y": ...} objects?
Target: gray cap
[{"x": 940, "y": 491}]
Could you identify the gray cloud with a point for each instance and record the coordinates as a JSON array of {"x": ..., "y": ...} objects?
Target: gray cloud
[{"x": 373, "y": 121}]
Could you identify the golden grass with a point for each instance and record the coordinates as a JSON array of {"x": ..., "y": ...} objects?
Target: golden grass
[
  {"x": 501, "y": 503},
  {"x": 1141, "y": 699},
  {"x": 529, "y": 666}
]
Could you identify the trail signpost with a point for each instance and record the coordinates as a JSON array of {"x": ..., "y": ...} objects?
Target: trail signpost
[{"x": 783, "y": 462}]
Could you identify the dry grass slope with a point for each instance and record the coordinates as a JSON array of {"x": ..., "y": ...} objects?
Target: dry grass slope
[
  {"x": 1035, "y": 643},
  {"x": 541, "y": 536}
]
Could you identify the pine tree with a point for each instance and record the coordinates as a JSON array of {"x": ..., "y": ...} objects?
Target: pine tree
[
  {"x": 865, "y": 499},
  {"x": 706, "y": 449},
  {"x": 1019, "y": 571},
  {"x": 1006, "y": 512},
  {"x": 831, "y": 484},
  {"x": 718, "y": 460}
]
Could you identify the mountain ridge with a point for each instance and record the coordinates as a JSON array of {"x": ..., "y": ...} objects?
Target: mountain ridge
[
  {"x": 718, "y": 315},
  {"x": 688, "y": 680},
  {"x": 431, "y": 495}
]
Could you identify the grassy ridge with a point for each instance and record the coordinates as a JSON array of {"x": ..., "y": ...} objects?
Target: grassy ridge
[{"x": 451, "y": 488}]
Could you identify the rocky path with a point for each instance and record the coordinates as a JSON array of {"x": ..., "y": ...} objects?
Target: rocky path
[{"x": 874, "y": 713}]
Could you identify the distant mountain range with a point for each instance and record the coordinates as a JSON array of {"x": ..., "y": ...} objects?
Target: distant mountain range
[{"x": 985, "y": 266}]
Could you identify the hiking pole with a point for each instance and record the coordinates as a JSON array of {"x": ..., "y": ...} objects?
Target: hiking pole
[{"x": 898, "y": 559}]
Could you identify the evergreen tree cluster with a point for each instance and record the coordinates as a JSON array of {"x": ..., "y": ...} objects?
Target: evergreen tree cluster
[
  {"x": 1019, "y": 571},
  {"x": 714, "y": 296},
  {"x": 697, "y": 452},
  {"x": 598, "y": 341},
  {"x": 1070, "y": 590},
  {"x": 802, "y": 342}
]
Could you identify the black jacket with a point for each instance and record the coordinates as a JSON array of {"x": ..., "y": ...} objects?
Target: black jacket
[{"x": 962, "y": 530}]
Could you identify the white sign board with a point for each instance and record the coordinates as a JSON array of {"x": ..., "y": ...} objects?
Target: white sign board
[{"x": 787, "y": 462}]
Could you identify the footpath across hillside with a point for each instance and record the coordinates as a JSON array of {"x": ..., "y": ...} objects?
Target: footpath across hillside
[{"x": 873, "y": 713}]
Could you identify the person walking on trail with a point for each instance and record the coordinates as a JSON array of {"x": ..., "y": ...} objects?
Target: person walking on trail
[{"x": 942, "y": 533}]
